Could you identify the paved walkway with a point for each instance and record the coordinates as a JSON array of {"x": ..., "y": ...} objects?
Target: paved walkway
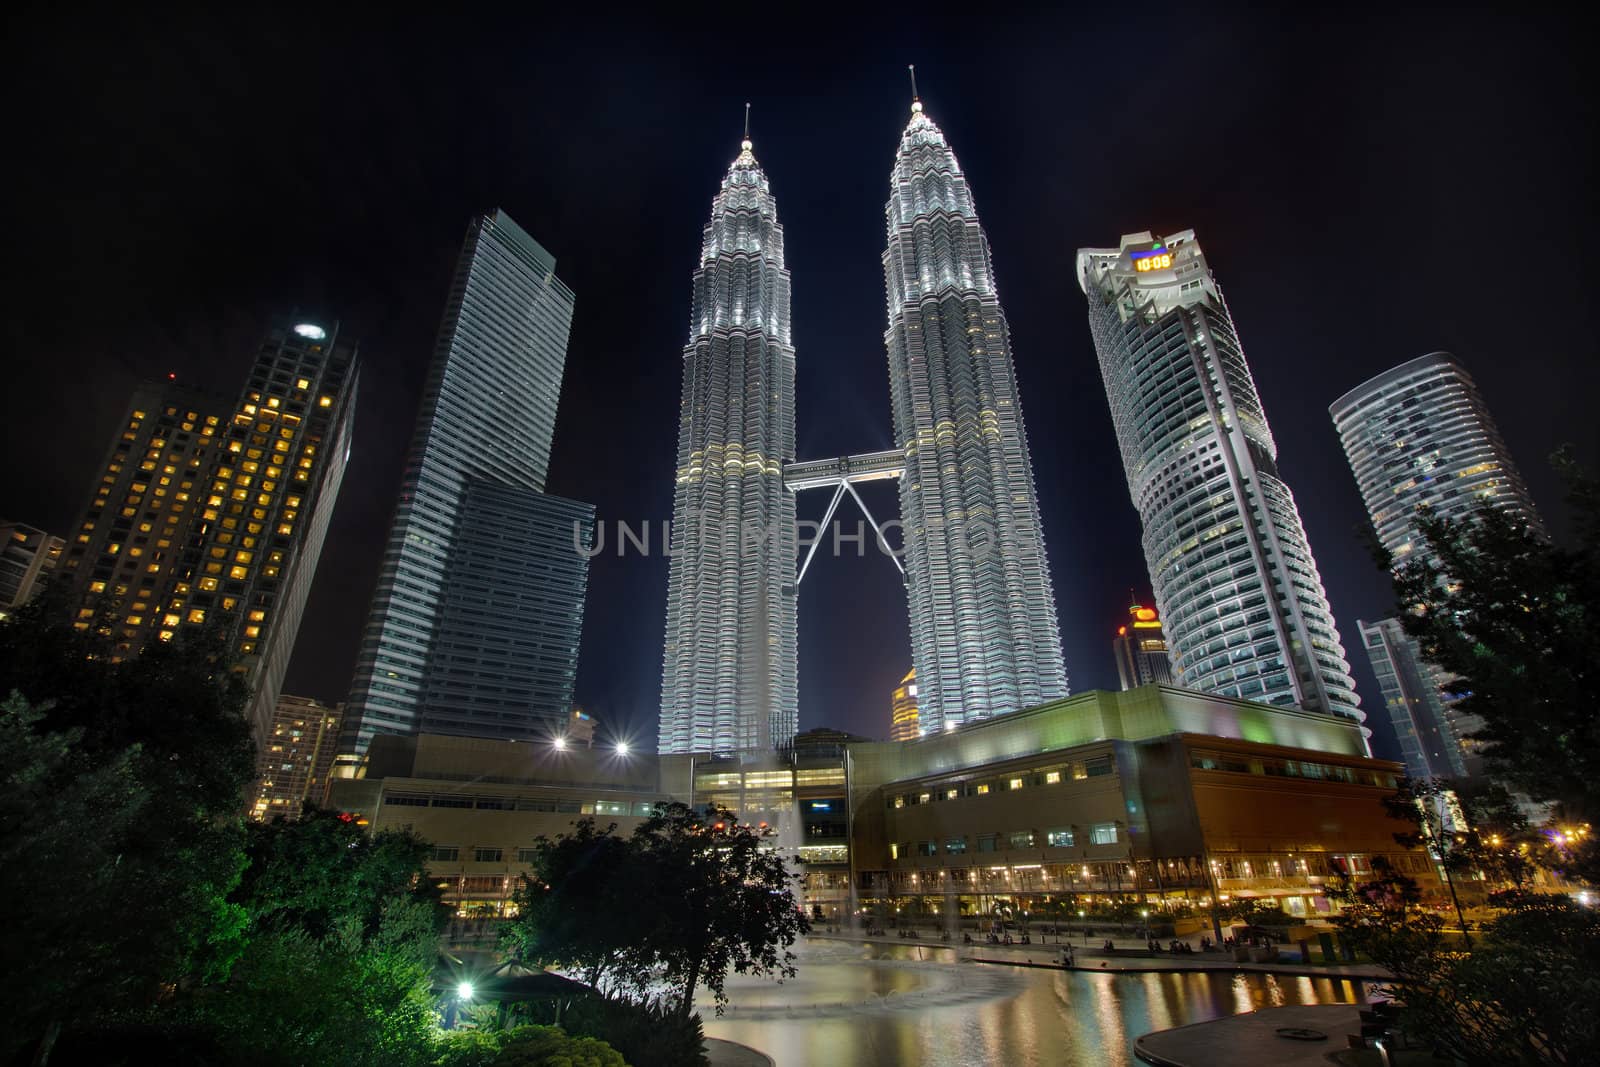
[
  {"x": 722, "y": 1053},
  {"x": 1092, "y": 959},
  {"x": 1252, "y": 1039}
]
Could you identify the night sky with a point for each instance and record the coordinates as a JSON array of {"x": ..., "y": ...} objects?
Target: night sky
[{"x": 1367, "y": 191}]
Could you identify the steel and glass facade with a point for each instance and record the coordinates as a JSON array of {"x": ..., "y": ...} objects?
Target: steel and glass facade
[
  {"x": 729, "y": 672},
  {"x": 984, "y": 635},
  {"x": 504, "y": 657},
  {"x": 487, "y": 417},
  {"x": 1235, "y": 582},
  {"x": 1420, "y": 436}
]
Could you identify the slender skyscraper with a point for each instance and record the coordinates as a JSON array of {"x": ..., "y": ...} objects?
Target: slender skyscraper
[
  {"x": 1419, "y": 435},
  {"x": 475, "y": 477},
  {"x": 984, "y": 636},
  {"x": 1234, "y": 578},
  {"x": 728, "y": 680}
]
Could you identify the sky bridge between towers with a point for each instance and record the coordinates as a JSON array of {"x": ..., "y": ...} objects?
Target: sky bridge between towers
[{"x": 841, "y": 475}]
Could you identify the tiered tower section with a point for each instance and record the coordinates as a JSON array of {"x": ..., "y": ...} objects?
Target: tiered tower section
[{"x": 729, "y": 676}]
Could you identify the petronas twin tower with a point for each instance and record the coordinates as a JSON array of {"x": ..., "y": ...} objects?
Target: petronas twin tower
[{"x": 984, "y": 635}]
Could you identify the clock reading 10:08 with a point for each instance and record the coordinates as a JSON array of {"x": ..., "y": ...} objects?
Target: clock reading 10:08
[{"x": 1159, "y": 259}]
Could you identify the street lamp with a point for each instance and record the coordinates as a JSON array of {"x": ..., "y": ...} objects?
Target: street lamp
[
  {"x": 560, "y": 743},
  {"x": 464, "y": 991},
  {"x": 622, "y": 748}
]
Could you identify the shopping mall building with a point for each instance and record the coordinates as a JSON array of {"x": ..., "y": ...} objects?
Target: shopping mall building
[{"x": 1156, "y": 796}]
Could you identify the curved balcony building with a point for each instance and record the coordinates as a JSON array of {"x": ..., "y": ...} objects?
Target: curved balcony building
[{"x": 1234, "y": 578}]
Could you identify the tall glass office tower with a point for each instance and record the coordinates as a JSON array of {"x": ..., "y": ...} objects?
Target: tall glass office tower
[
  {"x": 729, "y": 672},
  {"x": 1234, "y": 578},
  {"x": 1419, "y": 435},
  {"x": 480, "y": 451},
  {"x": 984, "y": 636}
]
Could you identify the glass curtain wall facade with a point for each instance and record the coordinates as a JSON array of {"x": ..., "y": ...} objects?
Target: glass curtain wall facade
[
  {"x": 504, "y": 659},
  {"x": 1235, "y": 583},
  {"x": 729, "y": 680},
  {"x": 488, "y": 415},
  {"x": 1420, "y": 435},
  {"x": 984, "y": 635}
]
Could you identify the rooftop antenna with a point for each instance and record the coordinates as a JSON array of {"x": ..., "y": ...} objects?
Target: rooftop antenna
[
  {"x": 747, "y": 120},
  {"x": 916, "y": 101}
]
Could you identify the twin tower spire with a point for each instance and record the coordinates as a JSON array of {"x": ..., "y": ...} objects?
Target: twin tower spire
[{"x": 984, "y": 635}]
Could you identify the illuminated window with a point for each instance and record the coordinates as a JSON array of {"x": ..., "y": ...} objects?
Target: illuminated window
[
  {"x": 197, "y": 615},
  {"x": 325, "y": 402},
  {"x": 1052, "y": 777},
  {"x": 171, "y": 620},
  {"x": 97, "y": 587},
  {"x": 1015, "y": 783},
  {"x": 165, "y": 635},
  {"x": 252, "y": 631},
  {"x": 982, "y": 789},
  {"x": 238, "y": 574},
  {"x": 258, "y": 615},
  {"x": 208, "y": 584}
]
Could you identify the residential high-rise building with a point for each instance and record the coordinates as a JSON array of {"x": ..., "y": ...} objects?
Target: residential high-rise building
[
  {"x": 28, "y": 559},
  {"x": 903, "y": 712},
  {"x": 295, "y": 757},
  {"x": 122, "y": 556},
  {"x": 1235, "y": 582},
  {"x": 208, "y": 515},
  {"x": 729, "y": 669},
  {"x": 1423, "y": 725},
  {"x": 1420, "y": 435},
  {"x": 1142, "y": 653},
  {"x": 478, "y": 458},
  {"x": 984, "y": 635}
]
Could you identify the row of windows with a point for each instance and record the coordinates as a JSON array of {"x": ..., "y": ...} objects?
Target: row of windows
[
  {"x": 1102, "y": 833},
  {"x": 1076, "y": 771},
  {"x": 480, "y": 854},
  {"x": 1238, "y": 763},
  {"x": 555, "y": 804}
]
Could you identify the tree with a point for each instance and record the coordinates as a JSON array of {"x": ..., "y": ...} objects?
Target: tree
[
  {"x": 725, "y": 900},
  {"x": 686, "y": 899},
  {"x": 150, "y": 914},
  {"x": 580, "y": 909},
  {"x": 1515, "y": 620},
  {"x": 341, "y": 939}
]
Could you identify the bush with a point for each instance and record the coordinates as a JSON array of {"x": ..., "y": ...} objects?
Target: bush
[
  {"x": 547, "y": 1046},
  {"x": 646, "y": 1035}
]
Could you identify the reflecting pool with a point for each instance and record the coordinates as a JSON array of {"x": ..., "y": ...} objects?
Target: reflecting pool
[{"x": 857, "y": 1005}]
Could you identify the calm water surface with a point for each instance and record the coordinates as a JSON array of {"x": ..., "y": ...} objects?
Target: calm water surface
[{"x": 885, "y": 1005}]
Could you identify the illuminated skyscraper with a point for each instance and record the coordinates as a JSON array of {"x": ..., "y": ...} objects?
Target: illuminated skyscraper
[
  {"x": 203, "y": 518},
  {"x": 984, "y": 636},
  {"x": 1419, "y": 435},
  {"x": 295, "y": 757},
  {"x": 1235, "y": 582},
  {"x": 472, "y": 508},
  {"x": 1141, "y": 649},
  {"x": 729, "y": 672},
  {"x": 903, "y": 713}
]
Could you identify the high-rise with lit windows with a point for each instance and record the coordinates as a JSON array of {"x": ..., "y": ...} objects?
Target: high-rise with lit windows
[
  {"x": 209, "y": 515},
  {"x": 28, "y": 559},
  {"x": 461, "y": 626},
  {"x": 1420, "y": 436},
  {"x": 1141, "y": 649},
  {"x": 295, "y": 757},
  {"x": 903, "y": 724},
  {"x": 1235, "y": 583},
  {"x": 729, "y": 669},
  {"x": 984, "y": 635}
]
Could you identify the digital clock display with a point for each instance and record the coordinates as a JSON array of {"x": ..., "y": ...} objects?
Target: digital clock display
[{"x": 1154, "y": 259}]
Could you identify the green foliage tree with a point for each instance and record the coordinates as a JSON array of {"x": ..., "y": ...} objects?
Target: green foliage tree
[
  {"x": 686, "y": 899},
  {"x": 1516, "y": 620},
  {"x": 167, "y": 725},
  {"x": 1523, "y": 996}
]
